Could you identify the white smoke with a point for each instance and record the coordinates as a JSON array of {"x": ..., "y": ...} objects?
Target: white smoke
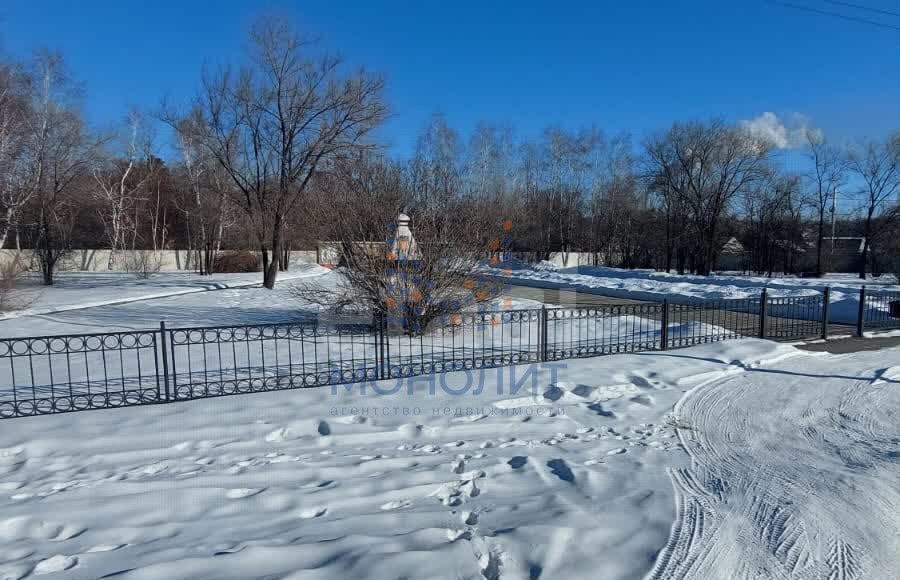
[{"x": 783, "y": 136}]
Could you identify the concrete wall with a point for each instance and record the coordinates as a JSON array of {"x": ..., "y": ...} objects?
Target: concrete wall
[{"x": 98, "y": 260}]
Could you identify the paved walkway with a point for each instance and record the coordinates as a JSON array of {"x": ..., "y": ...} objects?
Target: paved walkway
[
  {"x": 564, "y": 297},
  {"x": 742, "y": 323},
  {"x": 852, "y": 344}
]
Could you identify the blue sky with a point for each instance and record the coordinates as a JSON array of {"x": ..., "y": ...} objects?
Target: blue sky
[{"x": 621, "y": 65}]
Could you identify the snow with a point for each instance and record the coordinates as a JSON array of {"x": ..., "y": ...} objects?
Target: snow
[
  {"x": 316, "y": 483},
  {"x": 560, "y": 480},
  {"x": 794, "y": 472},
  {"x": 739, "y": 459},
  {"x": 91, "y": 302},
  {"x": 652, "y": 285},
  {"x": 76, "y": 290}
]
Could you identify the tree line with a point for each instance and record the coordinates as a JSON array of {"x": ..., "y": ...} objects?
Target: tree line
[{"x": 281, "y": 151}]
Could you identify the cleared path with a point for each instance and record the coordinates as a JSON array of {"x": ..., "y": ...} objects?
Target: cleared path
[{"x": 794, "y": 472}]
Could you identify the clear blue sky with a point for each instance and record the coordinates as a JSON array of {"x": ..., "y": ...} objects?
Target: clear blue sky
[{"x": 621, "y": 65}]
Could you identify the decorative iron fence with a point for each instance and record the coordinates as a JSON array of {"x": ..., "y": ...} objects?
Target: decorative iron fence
[
  {"x": 57, "y": 374},
  {"x": 879, "y": 310}
]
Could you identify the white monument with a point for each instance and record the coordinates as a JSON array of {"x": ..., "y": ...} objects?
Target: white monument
[{"x": 404, "y": 248}]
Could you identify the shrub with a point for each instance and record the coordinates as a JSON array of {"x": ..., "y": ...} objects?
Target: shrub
[
  {"x": 11, "y": 272},
  {"x": 143, "y": 263},
  {"x": 236, "y": 261}
]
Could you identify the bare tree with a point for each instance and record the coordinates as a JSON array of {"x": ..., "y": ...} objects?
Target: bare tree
[
  {"x": 412, "y": 283},
  {"x": 824, "y": 179},
  {"x": 436, "y": 169},
  {"x": 275, "y": 124},
  {"x": 58, "y": 151},
  {"x": 773, "y": 229},
  {"x": 877, "y": 165},
  {"x": 120, "y": 185},
  {"x": 205, "y": 201},
  {"x": 706, "y": 165},
  {"x": 14, "y": 116}
]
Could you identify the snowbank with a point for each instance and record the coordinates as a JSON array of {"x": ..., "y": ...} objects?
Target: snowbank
[{"x": 650, "y": 285}]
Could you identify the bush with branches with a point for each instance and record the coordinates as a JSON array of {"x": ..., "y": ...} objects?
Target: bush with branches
[
  {"x": 412, "y": 289},
  {"x": 236, "y": 261}
]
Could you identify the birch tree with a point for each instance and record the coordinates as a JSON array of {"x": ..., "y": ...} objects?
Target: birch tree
[
  {"x": 58, "y": 150},
  {"x": 14, "y": 117},
  {"x": 120, "y": 186}
]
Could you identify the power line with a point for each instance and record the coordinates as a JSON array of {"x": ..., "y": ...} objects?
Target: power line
[
  {"x": 861, "y": 7},
  {"x": 835, "y": 15}
]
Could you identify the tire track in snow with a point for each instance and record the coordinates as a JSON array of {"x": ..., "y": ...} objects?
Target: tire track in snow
[{"x": 791, "y": 475}]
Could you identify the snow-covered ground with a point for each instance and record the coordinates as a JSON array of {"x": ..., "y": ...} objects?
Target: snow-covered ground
[
  {"x": 76, "y": 290},
  {"x": 651, "y": 285},
  {"x": 790, "y": 474},
  {"x": 794, "y": 473},
  {"x": 110, "y": 302}
]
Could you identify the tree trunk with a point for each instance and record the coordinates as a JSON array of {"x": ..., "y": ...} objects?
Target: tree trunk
[
  {"x": 865, "y": 253},
  {"x": 819, "y": 243},
  {"x": 264, "y": 252},
  {"x": 271, "y": 266}
]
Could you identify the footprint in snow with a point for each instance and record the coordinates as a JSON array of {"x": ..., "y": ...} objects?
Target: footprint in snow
[
  {"x": 645, "y": 400},
  {"x": 518, "y": 461},
  {"x": 454, "y": 535},
  {"x": 242, "y": 492},
  {"x": 598, "y": 408},
  {"x": 559, "y": 468},
  {"x": 396, "y": 504},
  {"x": 16, "y": 571},
  {"x": 315, "y": 512},
  {"x": 105, "y": 548},
  {"x": 56, "y": 563}
]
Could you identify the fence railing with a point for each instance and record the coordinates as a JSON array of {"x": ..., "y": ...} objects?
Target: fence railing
[
  {"x": 57, "y": 374},
  {"x": 879, "y": 311}
]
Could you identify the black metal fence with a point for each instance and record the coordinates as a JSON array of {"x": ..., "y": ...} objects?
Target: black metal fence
[
  {"x": 57, "y": 374},
  {"x": 878, "y": 311}
]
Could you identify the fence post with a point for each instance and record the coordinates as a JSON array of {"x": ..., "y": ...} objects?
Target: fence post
[
  {"x": 165, "y": 357},
  {"x": 542, "y": 333},
  {"x": 826, "y": 309},
  {"x": 382, "y": 359},
  {"x": 376, "y": 333},
  {"x": 664, "y": 331},
  {"x": 861, "y": 317},
  {"x": 762, "y": 313}
]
